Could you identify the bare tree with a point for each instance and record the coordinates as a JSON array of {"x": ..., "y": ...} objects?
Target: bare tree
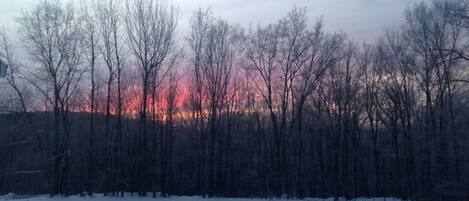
[
  {"x": 200, "y": 23},
  {"x": 282, "y": 57},
  {"x": 51, "y": 35},
  {"x": 150, "y": 26},
  {"x": 110, "y": 24},
  {"x": 91, "y": 42},
  {"x": 15, "y": 80}
]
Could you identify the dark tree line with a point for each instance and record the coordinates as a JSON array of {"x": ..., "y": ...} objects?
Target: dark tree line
[{"x": 110, "y": 99}]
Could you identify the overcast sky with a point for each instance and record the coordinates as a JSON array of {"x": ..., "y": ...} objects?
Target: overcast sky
[{"x": 363, "y": 20}]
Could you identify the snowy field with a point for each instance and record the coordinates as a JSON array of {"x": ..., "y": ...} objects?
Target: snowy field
[{"x": 100, "y": 197}]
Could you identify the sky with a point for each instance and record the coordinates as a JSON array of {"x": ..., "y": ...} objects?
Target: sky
[{"x": 362, "y": 20}]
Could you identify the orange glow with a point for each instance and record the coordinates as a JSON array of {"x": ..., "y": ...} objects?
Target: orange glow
[{"x": 183, "y": 103}]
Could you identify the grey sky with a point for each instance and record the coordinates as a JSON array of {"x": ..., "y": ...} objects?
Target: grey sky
[{"x": 363, "y": 20}]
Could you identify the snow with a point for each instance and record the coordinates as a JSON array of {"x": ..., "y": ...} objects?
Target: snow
[{"x": 128, "y": 197}]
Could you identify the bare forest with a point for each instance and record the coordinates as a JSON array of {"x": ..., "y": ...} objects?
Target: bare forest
[{"x": 109, "y": 97}]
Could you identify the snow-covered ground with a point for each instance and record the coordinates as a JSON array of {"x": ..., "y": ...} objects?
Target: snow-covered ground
[{"x": 100, "y": 197}]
